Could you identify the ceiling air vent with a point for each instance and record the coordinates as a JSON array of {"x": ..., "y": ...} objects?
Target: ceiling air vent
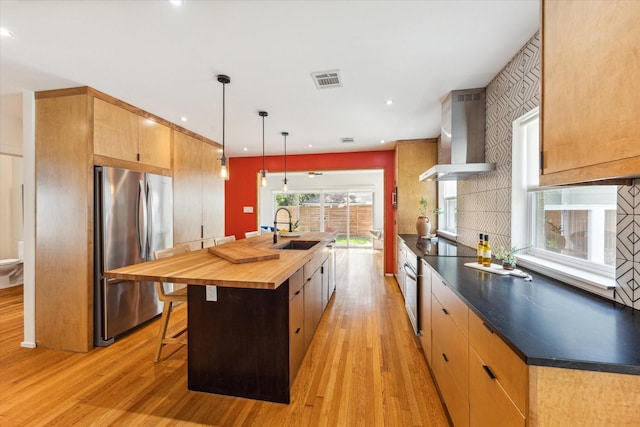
[
  {"x": 326, "y": 79},
  {"x": 347, "y": 139}
]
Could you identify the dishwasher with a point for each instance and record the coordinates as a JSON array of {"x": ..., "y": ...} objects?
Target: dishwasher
[{"x": 411, "y": 280}]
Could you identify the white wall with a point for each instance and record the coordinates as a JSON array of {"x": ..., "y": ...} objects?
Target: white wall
[
  {"x": 11, "y": 228},
  {"x": 355, "y": 180}
]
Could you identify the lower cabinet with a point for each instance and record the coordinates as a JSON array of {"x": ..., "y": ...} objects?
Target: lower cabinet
[
  {"x": 312, "y": 306},
  {"x": 424, "y": 303},
  {"x": 296, "y": 324},
  {"x": 450, "y": 363},
  {"x": 489, "y": 404}
]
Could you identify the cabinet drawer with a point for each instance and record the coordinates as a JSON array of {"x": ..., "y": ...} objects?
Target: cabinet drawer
[
  {"x": 451, "y": 303},
  {"x": 453, "y": 347},
  {"x": 452, "y": 372},
  {"x": 489, "y": 404},
  {"x": 510, "y": 371},
  {"x": 313, "y": 264},
  {"x": 296, "y": 335},
  {"x": 295, "y": 283}
]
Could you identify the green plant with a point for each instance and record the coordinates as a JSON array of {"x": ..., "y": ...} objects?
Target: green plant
[
  {"x": 508, "y": 255},
  {"x": 424, "y": 204}
]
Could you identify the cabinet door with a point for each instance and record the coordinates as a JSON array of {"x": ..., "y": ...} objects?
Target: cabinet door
[
  {"x": 212, "y": 193},
  {"x": 425, "y": 310},
  {"x": 187, "y": 189},
  {"x": 312, "y": 306},
  {"x": 489, "y": 404},
  {"x": 324, "y": 270},
  {"x": 115, "y": 131},
  {"x": 510, "y": 371},
  {"x": 296, "y": 334},
  {"x": 590, "y": 63},
  {"x": 451, "y": 364},
  {"x": 154, "y": 143}
]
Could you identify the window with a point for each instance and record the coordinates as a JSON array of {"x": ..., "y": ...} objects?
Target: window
[
  {"x": 448, "y": 201},
  {"x": 570, "y": 231}
]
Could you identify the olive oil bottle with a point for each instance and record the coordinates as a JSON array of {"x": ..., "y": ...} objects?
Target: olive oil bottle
[
  {"x": 486, "y": 253},
  {"x": 480, "y": 248}
]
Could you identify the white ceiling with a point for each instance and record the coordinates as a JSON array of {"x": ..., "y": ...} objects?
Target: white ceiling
[{"x": 164, "y": 58}]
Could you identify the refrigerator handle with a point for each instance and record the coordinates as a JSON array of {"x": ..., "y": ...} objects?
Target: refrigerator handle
[
  {"x": 142, "y": 221},
  {"x": 150, "y": 222}
]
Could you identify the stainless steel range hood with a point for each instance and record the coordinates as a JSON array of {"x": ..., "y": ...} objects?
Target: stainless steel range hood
[{"x": 462, "y": 138}]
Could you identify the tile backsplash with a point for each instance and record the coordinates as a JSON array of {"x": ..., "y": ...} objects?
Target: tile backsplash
[
  {"x": 628, "y": 245},
  {"x": 484, "y": 203}
]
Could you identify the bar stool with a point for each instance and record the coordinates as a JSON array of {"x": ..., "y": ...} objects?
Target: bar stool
[{"x": 170, "y": 298}]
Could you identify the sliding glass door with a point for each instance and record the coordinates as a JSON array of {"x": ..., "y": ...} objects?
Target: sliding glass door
[{"x": 349, "y": 214}]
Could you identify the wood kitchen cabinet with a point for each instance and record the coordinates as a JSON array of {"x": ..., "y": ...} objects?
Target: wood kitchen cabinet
[
  {"x": 498, "y": 379},
  {"x": 198, "y": 192},
  {"x": 296, "y": 324},
  {"x": 450, "y": 357},
  {"x": 412, "y": 158},
  {"x": 589, "y": 108},
  {"x": 75, "y": 130},
  {"x": 425, "y": 310},
  {"x": 124, "y": 135}
]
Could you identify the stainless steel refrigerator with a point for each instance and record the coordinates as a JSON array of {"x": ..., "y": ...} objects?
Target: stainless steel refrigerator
[{"x": 133, "y": 218}]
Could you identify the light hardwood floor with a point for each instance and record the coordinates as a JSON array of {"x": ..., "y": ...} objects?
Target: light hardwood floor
[{"x": 363, "y": 368}]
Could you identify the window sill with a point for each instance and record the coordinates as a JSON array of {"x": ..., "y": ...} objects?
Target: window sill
[
  {"x": 447, "y": 234},
  {"x": 591, "y": 282}
]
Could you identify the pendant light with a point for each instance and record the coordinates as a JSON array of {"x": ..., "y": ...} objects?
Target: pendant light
[
  {"x": 284, "y": 181},
  {"x": 224, "y": 169},
  {"x": 263, "y": 172}
]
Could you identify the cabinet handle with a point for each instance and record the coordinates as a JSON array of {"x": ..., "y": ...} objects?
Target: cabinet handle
[
  {"x": 487, "y": 326},
  {"x": 489, "y": 372},
  {"x": 297, "y": 330},
  {"x": 444, "y": 310},
  {"x": 444, "y": 356},
  {"x": 297, "y": 293}
]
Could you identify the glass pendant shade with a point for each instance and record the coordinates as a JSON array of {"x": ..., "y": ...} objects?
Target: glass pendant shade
[
  {"x": 224, "y": 167},
  {"x": 263, "y": 172}
]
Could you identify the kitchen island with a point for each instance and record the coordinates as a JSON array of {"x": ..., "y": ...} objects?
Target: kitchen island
[{"x": 250, "y": 323}]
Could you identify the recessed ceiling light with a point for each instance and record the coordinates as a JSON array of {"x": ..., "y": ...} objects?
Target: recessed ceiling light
[
  {"x": 310, "y": 145},
  {"x": 382, "y": 141},
  {"x": 183, "y": 119},
  {"x": 245, "y": 149},
  {"x": 389, "y": 102},
  {"x": 176, "y": 2},
  {"x": 4, "y": 32}
]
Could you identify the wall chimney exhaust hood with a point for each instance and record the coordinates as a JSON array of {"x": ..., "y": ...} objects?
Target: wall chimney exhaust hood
[{"x": 462, "y": 138}]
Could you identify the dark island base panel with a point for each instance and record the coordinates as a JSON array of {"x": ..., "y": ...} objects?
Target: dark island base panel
[{"x": 239, "y": 344}]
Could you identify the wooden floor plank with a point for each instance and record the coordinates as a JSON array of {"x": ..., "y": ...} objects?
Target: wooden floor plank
[{"x": 364, "y": 367}]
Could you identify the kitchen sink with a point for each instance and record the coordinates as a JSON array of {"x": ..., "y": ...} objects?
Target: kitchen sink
[{"x": 298, "y": 244}]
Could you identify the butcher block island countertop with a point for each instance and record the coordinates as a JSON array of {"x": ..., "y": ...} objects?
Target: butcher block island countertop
[
  {"x": 203, "y": 268},
  {"x": 249, "y": 323}
]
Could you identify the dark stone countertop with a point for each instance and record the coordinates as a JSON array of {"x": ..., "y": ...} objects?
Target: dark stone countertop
[{"x": 544, "y": 321}]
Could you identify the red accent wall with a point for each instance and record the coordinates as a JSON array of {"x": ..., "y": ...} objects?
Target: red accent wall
[{"x": 241, "y": 188}]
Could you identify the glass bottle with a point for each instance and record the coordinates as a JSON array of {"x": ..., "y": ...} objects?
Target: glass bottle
[
  {"x": 480, "y": 248},
  {"x": 486, "y": 253}
]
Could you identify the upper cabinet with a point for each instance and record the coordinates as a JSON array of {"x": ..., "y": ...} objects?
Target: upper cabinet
[
  {"x": 123, "y": 135},
  {"x": 198, "y": 192},
  {"x": 590, "y": 106}
]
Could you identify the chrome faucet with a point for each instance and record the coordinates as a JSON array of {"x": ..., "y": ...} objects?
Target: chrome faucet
[{"x": 275, "y": 223}]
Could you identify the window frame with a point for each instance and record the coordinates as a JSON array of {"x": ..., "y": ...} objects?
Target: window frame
[{"x": 587, "y": 275}]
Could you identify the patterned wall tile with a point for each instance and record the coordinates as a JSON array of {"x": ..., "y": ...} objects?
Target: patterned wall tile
[
  {"x": 627, "y": 280},
  {"x": 626, "y": 203},
  {"x": 484, "y": 204},
  {"x": 626, "y": 237}
]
